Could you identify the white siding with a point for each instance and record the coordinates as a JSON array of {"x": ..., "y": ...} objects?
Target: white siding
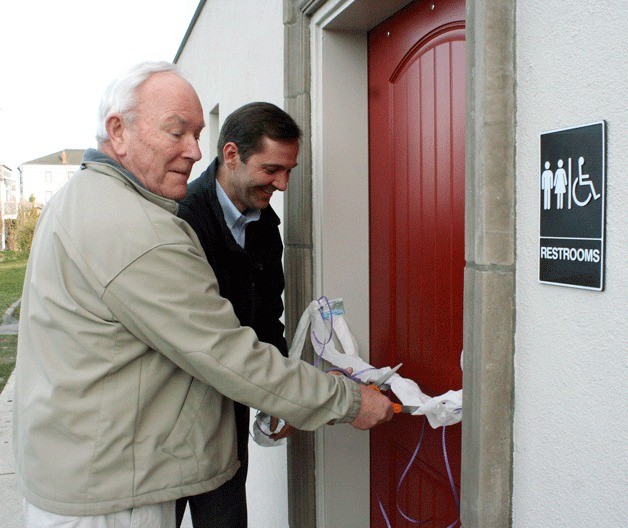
[
  {"x": 234, "y": 56},
  {"x": 570, "y": 436}
]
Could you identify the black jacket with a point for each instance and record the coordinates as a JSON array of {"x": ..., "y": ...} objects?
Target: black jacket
[{"x": 251, "y": 278}]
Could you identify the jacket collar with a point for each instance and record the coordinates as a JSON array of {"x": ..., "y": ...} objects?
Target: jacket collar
[{"x": 104, "y": 164}]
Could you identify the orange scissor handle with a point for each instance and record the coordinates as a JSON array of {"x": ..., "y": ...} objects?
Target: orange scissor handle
[{"x": 397, "y": 407}]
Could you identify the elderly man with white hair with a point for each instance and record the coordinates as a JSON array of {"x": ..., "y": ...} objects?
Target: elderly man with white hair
[{"x": 124, "y": 376}]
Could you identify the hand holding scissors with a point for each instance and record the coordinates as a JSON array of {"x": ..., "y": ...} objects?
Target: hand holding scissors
[
  {"x": 397, "y": 407},
  {"x": 375, "y": 408}
]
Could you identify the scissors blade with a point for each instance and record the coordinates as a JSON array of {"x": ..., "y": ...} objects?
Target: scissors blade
[
  {"x": 407, "y": 409},
  {"x": 380, "y": 381}
]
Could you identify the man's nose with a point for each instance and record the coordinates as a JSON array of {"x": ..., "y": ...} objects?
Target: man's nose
[
  {"x": 192, "y": 150},
  {"x": 281, "y": 182}
]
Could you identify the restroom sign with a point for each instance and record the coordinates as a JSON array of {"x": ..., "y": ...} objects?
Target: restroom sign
[{"x": 571, "y": 187}]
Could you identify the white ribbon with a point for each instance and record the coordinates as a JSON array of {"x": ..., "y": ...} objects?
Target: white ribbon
[{"x": 329, "y": 328}]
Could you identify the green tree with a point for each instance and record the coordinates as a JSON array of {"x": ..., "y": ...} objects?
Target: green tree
[{"x": 21, "y": 231}]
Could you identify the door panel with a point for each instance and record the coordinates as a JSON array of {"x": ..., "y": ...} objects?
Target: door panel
[{"x": 416, "y": 143}]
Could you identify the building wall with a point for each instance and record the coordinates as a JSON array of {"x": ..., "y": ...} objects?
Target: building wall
[
  {"x": 9, "y": 193},
  {"x": 569, "y": 428},
  {"x": 233, "y": 56},
  {"x": 570, "y": 437},
  {"x": 43, "y": 181},
  {"x": 9, "y": 197}
]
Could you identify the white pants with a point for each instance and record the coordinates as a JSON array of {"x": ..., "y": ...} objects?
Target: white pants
[{"x": 160, "y": 515}]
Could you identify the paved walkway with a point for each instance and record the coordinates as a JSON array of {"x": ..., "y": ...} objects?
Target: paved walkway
[
  {"x": 9, "y": 323},
  {"x": 10, "y": 498},
  {"x": 8, "y": 329}
]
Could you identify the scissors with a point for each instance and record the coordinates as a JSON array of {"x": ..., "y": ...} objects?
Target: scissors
[{"x": 397, "y": 407}]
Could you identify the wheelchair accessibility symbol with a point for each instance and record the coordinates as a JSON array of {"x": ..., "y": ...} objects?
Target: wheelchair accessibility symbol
[
  {"x": 583, "y": 181},
  {"x": 579, "y": 189}
]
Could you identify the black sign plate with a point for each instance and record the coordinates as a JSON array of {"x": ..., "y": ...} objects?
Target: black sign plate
[{"x": 572, "y": 183}]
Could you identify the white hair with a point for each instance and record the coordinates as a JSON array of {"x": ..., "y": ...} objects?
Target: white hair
[{"x": 121, "y": 95}]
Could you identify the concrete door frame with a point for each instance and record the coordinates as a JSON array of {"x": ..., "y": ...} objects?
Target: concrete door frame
[{"x": 489, "y": 310}]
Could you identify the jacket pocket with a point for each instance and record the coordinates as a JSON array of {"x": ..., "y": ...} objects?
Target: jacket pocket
[{"x": 178, "y": 444}]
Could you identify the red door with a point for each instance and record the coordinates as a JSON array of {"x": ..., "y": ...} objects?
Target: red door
[{"x": 416, "y": 135}]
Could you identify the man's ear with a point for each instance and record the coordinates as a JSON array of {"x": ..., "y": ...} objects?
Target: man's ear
[
  {"x": 115, "y": 130},
  {"x": 230, "y": 155}
]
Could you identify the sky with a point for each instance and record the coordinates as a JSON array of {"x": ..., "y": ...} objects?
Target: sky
[{"x": 58, "y": 56}]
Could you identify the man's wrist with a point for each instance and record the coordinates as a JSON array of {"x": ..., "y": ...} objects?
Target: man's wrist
[{"x": 355, "y": 394}]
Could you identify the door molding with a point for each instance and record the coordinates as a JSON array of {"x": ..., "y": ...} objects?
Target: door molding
[
  {"x": 489, "y": 290},
  {"x": 489, "y": 309}
]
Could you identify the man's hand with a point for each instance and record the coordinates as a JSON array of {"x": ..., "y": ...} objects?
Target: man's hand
[
  {"x": 374, "y": 410},
  {"x": 286, "y": 431}
]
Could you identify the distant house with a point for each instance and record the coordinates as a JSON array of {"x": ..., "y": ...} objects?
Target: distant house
[
  {"x": 9, "y": 197},
  {"x": 43, "y": 177}
]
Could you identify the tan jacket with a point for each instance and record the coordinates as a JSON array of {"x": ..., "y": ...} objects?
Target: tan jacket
[{"x": 125, "y": 352}]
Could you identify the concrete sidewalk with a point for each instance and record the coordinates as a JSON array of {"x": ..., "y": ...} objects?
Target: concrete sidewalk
[{"x": 10, "y": 498}]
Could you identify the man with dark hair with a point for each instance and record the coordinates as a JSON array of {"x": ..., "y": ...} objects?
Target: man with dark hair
[
  {"x": 251, "y": 123},
  {"x": 228, "y": 207}
]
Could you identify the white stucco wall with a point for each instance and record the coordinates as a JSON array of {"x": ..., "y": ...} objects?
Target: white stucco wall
[
  {"x": 235, "y": 56},
  {"x": 570, "y": 424}
]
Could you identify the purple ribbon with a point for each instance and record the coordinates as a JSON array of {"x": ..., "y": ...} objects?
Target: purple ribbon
[
  {"x": 345, "y": 373},
  {"x": 404, "y": 474},
  {"x": 331, "y": 330}
]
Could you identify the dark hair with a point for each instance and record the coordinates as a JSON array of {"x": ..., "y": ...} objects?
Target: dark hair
[{"x": 248, "y": 125}]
